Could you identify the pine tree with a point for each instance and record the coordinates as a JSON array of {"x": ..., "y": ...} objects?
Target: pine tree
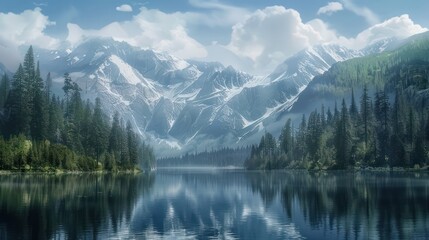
[
  {"x": 354, "y": 113},
  {"x": 301, "y": 139},
  {"x": 29, "y": 80},
  {"x": 314, "y": 134},
  {"x": 381, "y": 112},
  {"x": 115, "y": 137},
  {"x": 67, "y": 88},
  {"x": 132, "y": 145},
  {"x": 342, "y": 138},
  {"x": 17, "y": 105},
  {"x": 39, "y": 118},
  {"x": 99, "y": 131},
  {"x": 4, "y": 90},
  {"x": 365, "y": 114},
  {"x": 285, "y": 138},
  {"x": 48, "y": 86},
  {"x": 397, "y": 144},
  {"x": 329, "y": 117}
]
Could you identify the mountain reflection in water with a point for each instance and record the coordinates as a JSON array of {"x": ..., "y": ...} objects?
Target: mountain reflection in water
[{"x": 216, "y": 204}]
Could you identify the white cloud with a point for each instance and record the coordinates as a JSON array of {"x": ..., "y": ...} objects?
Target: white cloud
[
  {"x": 27, "y": 29},
  {"x": 370, "y": 17},
  {"x": 150, "y": 28},
  {"x": 124, "y": 8},
  {"x": 400, "y": 27},
  {"x": 330, "y": 8},
  {"x": 269, "y": 36}
]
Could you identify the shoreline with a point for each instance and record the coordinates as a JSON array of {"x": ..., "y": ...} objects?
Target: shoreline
[{"x": 59, "y": 172}]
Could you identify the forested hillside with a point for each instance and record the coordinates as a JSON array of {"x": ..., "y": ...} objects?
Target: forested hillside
[
  {"x": 403, "y": 67},
  {"x": 389, "y": 128},
  {"x": 41, "y": 131}
]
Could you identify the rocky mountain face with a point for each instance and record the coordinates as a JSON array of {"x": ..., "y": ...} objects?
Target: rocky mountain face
[{"x": 188, "y": 105}]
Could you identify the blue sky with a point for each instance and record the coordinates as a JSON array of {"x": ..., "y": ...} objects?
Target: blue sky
[{"x": 242, "y": 33}]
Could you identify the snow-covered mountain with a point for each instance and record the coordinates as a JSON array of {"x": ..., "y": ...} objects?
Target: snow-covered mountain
[{"x": 188, "y": 105}]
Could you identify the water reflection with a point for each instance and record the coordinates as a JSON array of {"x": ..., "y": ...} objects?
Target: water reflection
[
  {"x": 284, "y": 205},
  {"x": 352, "y": 205},
  {"x": 208, "y": 204},
  {"x": 68, "y": 206}
]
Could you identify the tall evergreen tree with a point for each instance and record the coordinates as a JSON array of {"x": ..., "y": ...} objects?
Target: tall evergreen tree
[
  {"x": 285, "y": 138},
  {"x": 365, "y": 116},
  {"x": 99, "y": 131},
  {"x": 381, "y": 112},
  {"x": 115, "y": 137},
  {"x": 314, "y": 134},
  {"x": 4, "y": 90},
  {"x": 48, "y": 86},
  {"x": 133, "y": 145},
  {"x": 354, "y": 113},
  {"x": 397, "y": 143},
  {"x": 342, "y": 138},
  {"x": 39, "y": 118},
  {"x": 17, "y": 105}
]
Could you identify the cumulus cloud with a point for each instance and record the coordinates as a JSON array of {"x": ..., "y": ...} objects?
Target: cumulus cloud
[
  {"x": 269, "y": 36},
  {"x": 330, "y": 8},
  {"x": 28, "y": 28},
  {"x": 400, "y": 27},
  {"x": 370, "y": 17},
  {"x": 150, "y": 28},
  {"x": 124, "y": 8}
]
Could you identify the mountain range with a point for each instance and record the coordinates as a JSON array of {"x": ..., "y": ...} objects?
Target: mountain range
[{"x": 182, "y": 105}]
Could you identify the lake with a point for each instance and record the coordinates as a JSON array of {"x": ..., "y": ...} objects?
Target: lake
[{"x": 215, "y": 204}]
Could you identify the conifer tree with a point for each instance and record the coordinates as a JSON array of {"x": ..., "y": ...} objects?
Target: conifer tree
[
  {"x": 4, "y": 90},
  {"x": 132, "y": 145},
  {"x": 285, "y": 138},
  {"x": 17, "y": 105},
  {"x": 342, "y": 138}
]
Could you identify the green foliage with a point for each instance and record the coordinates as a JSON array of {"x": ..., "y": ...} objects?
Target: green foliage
[
  {"x": 378, "y": 136},
  {"x": 67, "y": 133},
  {"x": 221, "y": 158}
]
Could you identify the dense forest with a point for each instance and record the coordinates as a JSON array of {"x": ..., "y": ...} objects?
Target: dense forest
[
  {"x": 43, "y": 132},
  {"x": 387, "y": 127},
  {"x": 375, "y": 134},
  {"x": 219, "y": 158}
]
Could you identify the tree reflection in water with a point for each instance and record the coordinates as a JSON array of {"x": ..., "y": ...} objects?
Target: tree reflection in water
[
  {"x": 81, "y": 206},
  {"x": 223, "y": 204},
  {"x": 358, "y": 205}
]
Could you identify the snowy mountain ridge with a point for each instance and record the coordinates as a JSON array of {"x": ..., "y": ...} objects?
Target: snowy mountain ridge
[{"x": 188, "y": 105}]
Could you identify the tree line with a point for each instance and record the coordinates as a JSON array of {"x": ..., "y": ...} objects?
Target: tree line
[
  {"x": 220, "y": 158},
  {"x": 378, "y": 133},
  {"x": 41, "y": 131}
]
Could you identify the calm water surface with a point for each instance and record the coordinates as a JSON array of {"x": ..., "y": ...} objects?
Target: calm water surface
[{"x": 215, "y": 204}]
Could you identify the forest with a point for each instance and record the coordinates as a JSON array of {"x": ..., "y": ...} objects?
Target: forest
[
  {"x": 215, "y": 158},
  {"x": 375, "y": 134},
  {"x": 40, "y": 131},
  {"x": 387, "y": 127}
]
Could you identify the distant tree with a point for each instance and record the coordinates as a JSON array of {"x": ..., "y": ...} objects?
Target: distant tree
[
  {"x": 285, "y": 138},
  {"x": 381, "y": 112},
  {"x": 4, "y": 90},
  {"x": 17, "y": 105},
  {"x": 342, "y": 138}
]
